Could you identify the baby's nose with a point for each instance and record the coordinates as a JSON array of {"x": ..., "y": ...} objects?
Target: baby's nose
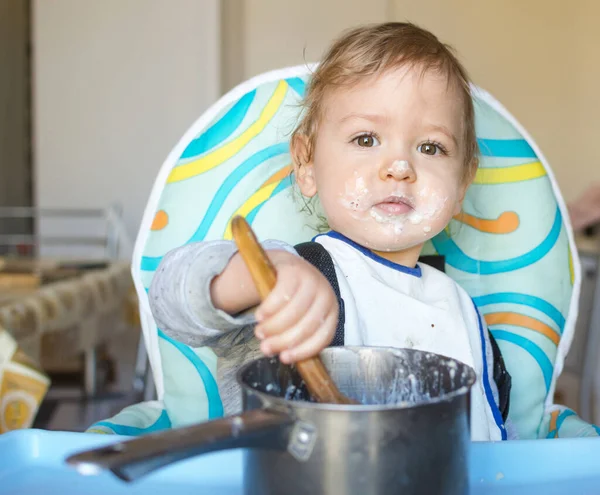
[{"x": 398, "y": 170}]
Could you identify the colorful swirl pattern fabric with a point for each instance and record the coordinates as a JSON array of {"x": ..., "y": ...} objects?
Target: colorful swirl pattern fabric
[{"x": 511, "y": 248}]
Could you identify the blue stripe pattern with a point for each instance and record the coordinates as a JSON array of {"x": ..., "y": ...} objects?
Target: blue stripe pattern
[
  {"x": 559, "y": 421},
  {"x": 525, "y": 300},
  {"x": 506, "y": 148},
  {"x": 486, "y": 381},
  {"x": 222, "y": 129},
  {"x": 297, "y": 84},
  {"x": 150, "y": 263},
  {"x": 533, "y": 349},
  {"x": 230, "y": 182},
  {"x": 215, "y": 406},
  {"x": 456, "y": 258},
  {"x": 284, "y": 184},
  {"x": 162, "y": 423},
  {"x": 562, "y": 416}
]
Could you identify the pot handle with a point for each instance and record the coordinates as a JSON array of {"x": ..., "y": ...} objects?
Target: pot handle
[{"x": 132, "y": 459}]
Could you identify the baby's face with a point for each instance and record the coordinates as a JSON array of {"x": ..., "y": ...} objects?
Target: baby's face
[{"x": 388, "y": 159}]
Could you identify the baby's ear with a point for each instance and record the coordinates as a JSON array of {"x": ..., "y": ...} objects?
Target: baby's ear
[{"x": 303, "y": 165}]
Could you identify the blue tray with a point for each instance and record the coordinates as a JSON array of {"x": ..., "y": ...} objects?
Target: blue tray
[{"x": 32, "y": 462}]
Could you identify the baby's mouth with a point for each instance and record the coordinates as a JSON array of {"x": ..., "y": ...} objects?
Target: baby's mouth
[{"x": 394, "y": 205}]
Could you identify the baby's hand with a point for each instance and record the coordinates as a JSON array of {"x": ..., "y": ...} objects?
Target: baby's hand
[{"x": 299, "y": 317}]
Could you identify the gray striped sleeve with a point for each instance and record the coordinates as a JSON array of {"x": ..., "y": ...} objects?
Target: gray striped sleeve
[{"x": 180, "y": 295}]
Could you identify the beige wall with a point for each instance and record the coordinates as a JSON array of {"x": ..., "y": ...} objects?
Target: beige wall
[
  {"x": 540, "y": 59},
  {"x": 259, "y": 35},
  {"x": 117, "y": 83}
]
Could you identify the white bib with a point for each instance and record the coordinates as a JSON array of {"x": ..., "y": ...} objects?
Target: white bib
[{"x": 390, "y": 305}]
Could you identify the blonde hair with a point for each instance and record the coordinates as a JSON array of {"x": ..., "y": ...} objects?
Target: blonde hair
[{"x": 371, "y": 50}]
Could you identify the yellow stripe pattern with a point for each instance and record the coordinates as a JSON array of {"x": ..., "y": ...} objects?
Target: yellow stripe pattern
[
  {"x": 225, "y": 152},
  {"x": 505, "y": 175},
  {"x": 260, "y": 196},
  {"x": 571, "y": 267}
]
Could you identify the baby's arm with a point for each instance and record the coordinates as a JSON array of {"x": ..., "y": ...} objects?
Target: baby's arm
[
  {"x": 233, "y": 290},
  {"x": 180, "y": 293},
  {"x": 200, "y": 291}
]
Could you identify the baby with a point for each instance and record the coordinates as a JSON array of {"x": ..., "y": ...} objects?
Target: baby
[{"x": 387, "y": 143}]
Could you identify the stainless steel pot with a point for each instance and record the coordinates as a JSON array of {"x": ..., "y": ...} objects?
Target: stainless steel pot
[{"x": 410, "y": 435}]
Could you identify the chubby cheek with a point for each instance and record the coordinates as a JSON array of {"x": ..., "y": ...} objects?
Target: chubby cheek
[
  {"x": 355, "y": 194},
  {"x": 344, "y": 198},
  {"x": 437, "y": 203}
]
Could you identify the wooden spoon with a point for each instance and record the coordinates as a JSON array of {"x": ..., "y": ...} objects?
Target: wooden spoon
[{"x": 313, "y": 372}]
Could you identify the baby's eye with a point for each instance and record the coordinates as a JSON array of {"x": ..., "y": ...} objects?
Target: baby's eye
[
  {"x": 431, "y": 149},
  {"x": 366, "y": 140}
]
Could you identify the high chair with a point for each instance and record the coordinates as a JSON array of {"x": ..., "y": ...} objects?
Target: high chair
[{"x": 512, "y": 248}]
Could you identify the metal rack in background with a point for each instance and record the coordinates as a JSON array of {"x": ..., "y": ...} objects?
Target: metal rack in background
[
  {"x": 582, "y": 363},
  {"x": 29, "y": 240},
  {"x": 588, "y": 334}
]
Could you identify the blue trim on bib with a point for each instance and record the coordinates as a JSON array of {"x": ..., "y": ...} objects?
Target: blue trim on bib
[
  {"x": 415, "y": 272},
  {"x": 486, "y": 381}
]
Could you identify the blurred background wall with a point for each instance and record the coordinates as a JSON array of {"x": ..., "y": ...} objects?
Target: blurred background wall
[{"x": 116, "y": 83}]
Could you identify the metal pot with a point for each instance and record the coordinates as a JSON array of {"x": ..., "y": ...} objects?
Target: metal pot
[{"x": 409, "y": 435}]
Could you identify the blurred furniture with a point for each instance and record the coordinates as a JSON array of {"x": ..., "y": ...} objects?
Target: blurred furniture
[
  {"x": 82, "y": 233},
  {"x": 58, "y": 312},
  {"x": 580, "y": 382},
  {"x": 66, "y": 288}
]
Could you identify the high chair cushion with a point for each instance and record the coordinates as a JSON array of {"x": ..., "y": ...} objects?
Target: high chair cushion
[
  {"x": 562, "y": 422},
  {"x": 135, "y": 420},
  {"x": 512, "y": 248}
]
